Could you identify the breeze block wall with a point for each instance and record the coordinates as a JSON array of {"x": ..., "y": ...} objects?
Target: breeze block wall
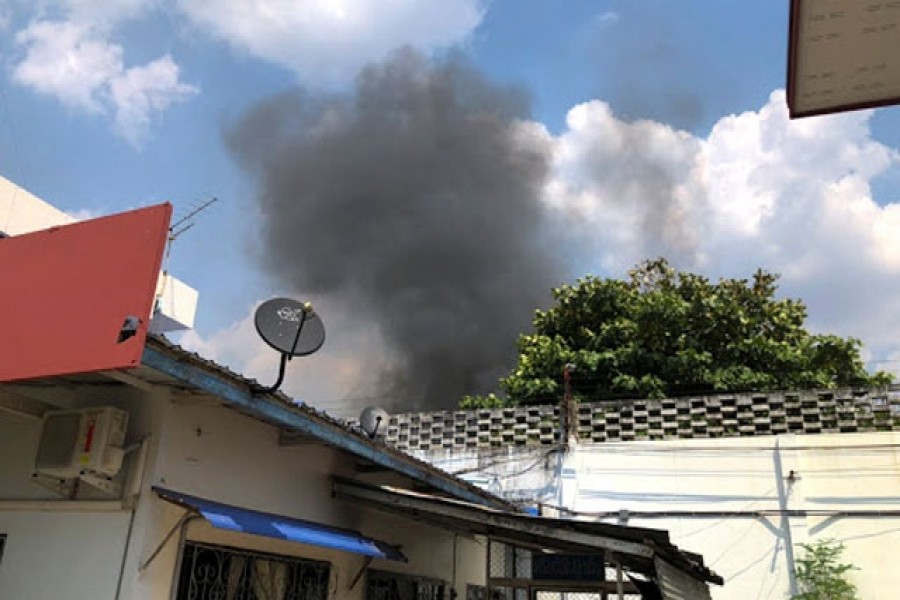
[{"x": 719, "y": 416}]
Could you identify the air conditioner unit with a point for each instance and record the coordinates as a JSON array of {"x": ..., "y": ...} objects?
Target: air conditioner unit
[{"x": 83, "y": 441}]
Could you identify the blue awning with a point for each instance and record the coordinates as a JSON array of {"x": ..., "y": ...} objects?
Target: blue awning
[{"x": 232, "y": 518}]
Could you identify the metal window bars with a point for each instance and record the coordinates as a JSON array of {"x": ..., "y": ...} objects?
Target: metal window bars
[{"x": 210, "y": 572}]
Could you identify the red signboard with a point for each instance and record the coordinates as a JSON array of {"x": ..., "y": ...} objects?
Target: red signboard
[{"x": 78, "y": 298}]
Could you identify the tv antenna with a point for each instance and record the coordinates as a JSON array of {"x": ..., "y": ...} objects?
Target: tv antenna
[
  {"x": 290, "y": 327},
  {"x": 175, "y": 230},
  {"x": 187, "y": 221}
]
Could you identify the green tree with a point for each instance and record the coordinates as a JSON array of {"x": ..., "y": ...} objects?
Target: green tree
[
  {"x": 663, "y": 333},
  {"x": 820, "y": 574}
]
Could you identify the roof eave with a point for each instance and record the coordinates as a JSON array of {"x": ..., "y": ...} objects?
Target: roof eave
[{"x": 268, "y": 407}]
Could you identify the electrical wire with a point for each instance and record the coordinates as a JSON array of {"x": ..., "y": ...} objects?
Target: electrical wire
[
  {"x": 731, "y": 544},
  {"x": 483, "y": 468},
  {"x": 723, "y": 519},
  {"x": 527, "y": 469},
  {"x": 747, "y": 567}
]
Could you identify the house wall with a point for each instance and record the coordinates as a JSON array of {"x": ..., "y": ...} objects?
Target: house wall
[
  {"x": 205, "y": 450},
  {"x": 831, "y": 472},
  {"x": 53, "y": 548},
  {"x": 82, "y": 550},
  {"x": 217, "y": 453},
  {"x": 61, "y": 555}
]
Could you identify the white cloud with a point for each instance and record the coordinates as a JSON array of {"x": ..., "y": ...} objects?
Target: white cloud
[
  {"x": 67, "y": 60},
  {"x": 327, "y": 41},
  {"x": 75, "y": 63},
  {"x": 609, "y": 17},
  {"x": 85, "y": 214},
  {"x": 139, "y": 93},
  {"x": 635, "y": 186},
  {"x": 69, "y": 52},
  {"x": 760, "y": 190}
]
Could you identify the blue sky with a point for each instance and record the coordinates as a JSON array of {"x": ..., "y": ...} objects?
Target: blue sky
[{"x": 110, "y": 105}]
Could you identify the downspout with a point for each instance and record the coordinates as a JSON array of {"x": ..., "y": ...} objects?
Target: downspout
[
  {"x": 135, "y": 485},
  {"x": 785, "y": 524}
]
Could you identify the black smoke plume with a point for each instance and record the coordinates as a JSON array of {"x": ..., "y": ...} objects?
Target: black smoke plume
[{"x": 416, "y": 198}]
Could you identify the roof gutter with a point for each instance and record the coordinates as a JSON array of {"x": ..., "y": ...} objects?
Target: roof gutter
[{"x": 268, "y": 407}]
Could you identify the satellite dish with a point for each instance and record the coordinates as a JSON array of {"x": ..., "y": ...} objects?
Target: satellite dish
[
  {"x": 371, "y": 419},
  {"x": 290, "y": 327}
]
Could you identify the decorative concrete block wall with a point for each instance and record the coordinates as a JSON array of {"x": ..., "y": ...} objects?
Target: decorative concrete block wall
[{"x": 724, "y": 415}]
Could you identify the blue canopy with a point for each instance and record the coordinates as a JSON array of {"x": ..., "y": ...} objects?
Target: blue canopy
[{"x": 232, "y": 518}]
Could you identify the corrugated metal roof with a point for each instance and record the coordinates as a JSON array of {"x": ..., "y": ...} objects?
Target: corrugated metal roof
[
  {"x": 637, "y": 547},
  {"x": 191, "y": 372}
]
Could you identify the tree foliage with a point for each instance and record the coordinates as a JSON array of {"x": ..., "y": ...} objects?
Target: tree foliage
[
  {"x": 820, "y": 574},
  {"x": 663, "y": 333}
]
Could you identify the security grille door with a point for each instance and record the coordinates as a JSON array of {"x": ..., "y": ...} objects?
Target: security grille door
[{"x": 220, "y": 573}]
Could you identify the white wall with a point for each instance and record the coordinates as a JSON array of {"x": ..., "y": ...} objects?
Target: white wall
[
  {"x": 207, "y": 450},
  {"x": 22, "y": 212},
  {"x": 63, "y": 553},
  {"x": 70, "y": 555},
  {"x": 832, "y": 472},
  {"x": 210, "y": 451},
  {"x": 18, "y": 447}
]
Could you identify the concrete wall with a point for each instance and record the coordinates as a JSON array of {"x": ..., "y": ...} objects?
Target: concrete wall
[
  {"x": 61, "y": 555},
  {"x": 831, "y": 472},
  {"x": 718, "y": 416},
  {"x": 207, "y": 450}
]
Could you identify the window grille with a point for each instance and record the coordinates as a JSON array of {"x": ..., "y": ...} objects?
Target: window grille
[
  {"x": 211, "y": 572},
  {"x": 383, "y": 585},
  {"x": 476, "y": 592}
]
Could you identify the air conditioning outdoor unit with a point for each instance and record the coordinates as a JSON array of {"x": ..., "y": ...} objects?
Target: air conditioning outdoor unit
[{"x": 84, "y": 441}]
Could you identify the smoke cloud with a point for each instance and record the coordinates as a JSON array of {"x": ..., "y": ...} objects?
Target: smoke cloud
[{"x": 416, "y": 201}]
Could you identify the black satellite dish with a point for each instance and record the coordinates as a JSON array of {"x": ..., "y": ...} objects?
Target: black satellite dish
[{"x": 290, "y": 327}]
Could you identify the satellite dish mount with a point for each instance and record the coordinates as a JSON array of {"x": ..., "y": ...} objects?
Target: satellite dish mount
[{"x": 290, "y": 327}]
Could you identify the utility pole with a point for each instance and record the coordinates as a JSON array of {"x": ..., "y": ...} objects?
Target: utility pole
[{"x": 568, "y": 424}]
